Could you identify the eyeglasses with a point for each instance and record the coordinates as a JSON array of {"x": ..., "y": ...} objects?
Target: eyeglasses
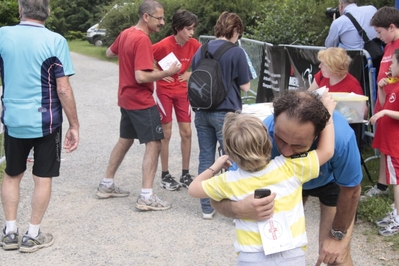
[{"x": 158, "y": 18}]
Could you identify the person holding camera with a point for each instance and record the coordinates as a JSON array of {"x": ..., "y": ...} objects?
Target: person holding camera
[{"x": 342, "y": 31}]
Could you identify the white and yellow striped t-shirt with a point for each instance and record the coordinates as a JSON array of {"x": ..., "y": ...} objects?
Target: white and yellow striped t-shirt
[{"x": 282, "y": 175}]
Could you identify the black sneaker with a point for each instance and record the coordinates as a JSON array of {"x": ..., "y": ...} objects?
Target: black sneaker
[
  {"x": 31, "y": 244},
  {"x": 9, "y": 241},
  {"x": 169, "y": 183},
  {"x": 186, "y": 180}
]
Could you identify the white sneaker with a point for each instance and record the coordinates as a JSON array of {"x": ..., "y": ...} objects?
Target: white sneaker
[
  {"x": 386, "y": 221},
  {"x": 374, "y": 191},
  {"x": 208, "y": 216}
]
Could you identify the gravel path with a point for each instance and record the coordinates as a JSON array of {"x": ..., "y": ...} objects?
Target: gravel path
[{"x": 89, "y": 231}]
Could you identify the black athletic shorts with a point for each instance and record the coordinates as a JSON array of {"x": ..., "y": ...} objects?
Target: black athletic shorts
[
  {"x": 327, "y": 194},
  {"x": 46, "y": 154},
  {"x": 144, "y": 125}
]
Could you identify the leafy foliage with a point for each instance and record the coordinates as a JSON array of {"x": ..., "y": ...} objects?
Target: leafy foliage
[
  {"x": 75, "y": 15},
  {"x": 9, "y": 13}
]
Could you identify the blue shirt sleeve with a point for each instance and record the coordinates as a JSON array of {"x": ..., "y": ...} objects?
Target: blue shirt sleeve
[{"x": 332, "y": 39}]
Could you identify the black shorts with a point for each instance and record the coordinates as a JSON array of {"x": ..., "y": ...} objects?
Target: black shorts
[
  {"x": 144, "y": 125},
  {"x": 327, "y": 194},
  {"x": 46, "y": 154}
]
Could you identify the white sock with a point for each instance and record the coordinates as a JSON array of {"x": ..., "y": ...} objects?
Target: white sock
[
  {"x": 33, "y": 230},
  {"x": 107, "y": 182},
  {"x": 11, "y": 226},
  {"x": 146, "y": 192}
]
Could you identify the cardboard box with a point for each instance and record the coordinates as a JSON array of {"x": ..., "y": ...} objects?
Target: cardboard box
[{"x": 352, "y": 106}]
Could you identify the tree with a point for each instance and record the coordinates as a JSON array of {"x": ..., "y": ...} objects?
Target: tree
[
  {"x": 75, "y": 15},
  {"x": 9, "y": 13}
]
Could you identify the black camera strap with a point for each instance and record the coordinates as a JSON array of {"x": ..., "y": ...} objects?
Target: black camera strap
[{"x": 360, "y": 30}]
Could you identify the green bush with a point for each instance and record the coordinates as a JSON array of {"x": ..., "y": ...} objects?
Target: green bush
[{"x": 75, "y": 35}]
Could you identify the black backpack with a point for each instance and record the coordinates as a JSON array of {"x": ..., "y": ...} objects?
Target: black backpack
[{"x": 205, "y": 85}]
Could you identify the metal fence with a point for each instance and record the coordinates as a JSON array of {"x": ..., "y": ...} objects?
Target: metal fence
[{"x": 274, "y": 80}]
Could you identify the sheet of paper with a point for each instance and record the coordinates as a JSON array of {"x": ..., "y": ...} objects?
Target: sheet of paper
[
  {"x": 168, "y": 60},
  {"x": 276, "y": 234}
]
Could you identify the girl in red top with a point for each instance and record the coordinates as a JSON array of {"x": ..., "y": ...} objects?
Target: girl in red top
[{"x": 334, "y": 66}]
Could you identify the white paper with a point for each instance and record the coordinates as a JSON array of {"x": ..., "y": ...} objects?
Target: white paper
[
  {"x": 168, "y": 60},
  {"x": 276, "y": 234},
  {"x": 321, "y": 90}
]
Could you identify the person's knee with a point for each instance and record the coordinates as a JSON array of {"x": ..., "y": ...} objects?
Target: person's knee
[{"x": 185, "y": 133}]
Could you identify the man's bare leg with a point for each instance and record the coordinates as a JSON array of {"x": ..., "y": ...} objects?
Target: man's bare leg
[
  {"x": 117, "y": 155},
  {"x": 10, "y": 196},
  {"x": 150, "y": 163},
  {"x": 107, "y": 189},
  {"x": 40, "y": 199}
]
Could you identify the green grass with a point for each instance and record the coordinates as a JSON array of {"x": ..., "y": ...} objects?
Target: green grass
[
  {"x": 372, "y": 209},
  {"x": 85, "y": 48}
]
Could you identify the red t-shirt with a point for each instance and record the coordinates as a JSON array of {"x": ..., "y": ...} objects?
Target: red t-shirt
[
  {"x": 183, "y": 53},
  {"x": 348, "y": 84},
  {"x": 384, "y": 67},
  {"x": 386, "y": 136},
  {"x": 134, "y": 51}
]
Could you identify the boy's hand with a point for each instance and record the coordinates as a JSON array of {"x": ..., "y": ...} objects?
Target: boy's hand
[
  {"x": 382, "y": 83},
  {"x": 376, "y": 116},
  {"x": 221, "y": 163},
  {"x": 328, "y": 101}
]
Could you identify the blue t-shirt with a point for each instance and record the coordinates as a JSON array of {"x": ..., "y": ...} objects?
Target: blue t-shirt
[
  {"x": 344, "y": 167},
  {"x": 31, "y": 59},
  {"x": 235, "y": 68}
]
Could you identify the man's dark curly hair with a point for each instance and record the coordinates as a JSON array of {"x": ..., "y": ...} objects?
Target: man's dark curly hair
[{"x": 304, "y": 107}]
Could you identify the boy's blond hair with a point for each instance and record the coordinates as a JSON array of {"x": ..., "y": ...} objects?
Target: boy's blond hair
[{"x": 246, "y": 141}]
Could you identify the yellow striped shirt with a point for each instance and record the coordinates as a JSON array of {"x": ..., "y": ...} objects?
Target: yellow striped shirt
[{"x": 284, "y": 176}]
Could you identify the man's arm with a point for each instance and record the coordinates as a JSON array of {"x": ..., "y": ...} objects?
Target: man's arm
[
  {"x": 332, "y": 39},
  {"x": 151, "y": 76},
  {"x": 67, "y": 99},
  {"x": 346, "y": 207},
  {"x": 332, "y": 250},
  {"x": 248, "y": 208},
  {"x": 109, "y": 53}
]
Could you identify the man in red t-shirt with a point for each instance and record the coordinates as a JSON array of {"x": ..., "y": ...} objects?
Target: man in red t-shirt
[
  {"x": 139, "y": 113},
  {"x": 172, "y": 93}
]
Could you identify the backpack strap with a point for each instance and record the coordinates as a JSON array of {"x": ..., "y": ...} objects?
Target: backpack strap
[
  {"x": 222, "y": 49},
  {"x": 204, "y": 50},
  {"x": 360, "y": 30}
]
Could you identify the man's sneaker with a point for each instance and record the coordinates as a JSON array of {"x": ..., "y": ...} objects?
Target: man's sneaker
[
  {"x": 152, "y": 204},
  {"x": 169, "y": 183},
  {"x": 9, "y": 241},
  {"x": 208, "y": 216},
  {"x": 391, "y": 229},
  {"x": 186, "y": 180},
  {"x": 104, "y": 192},
  {"x": 374, "y": 191},
  {"x": 386, "y": 220},
  {"x": 31, "y": 244}
]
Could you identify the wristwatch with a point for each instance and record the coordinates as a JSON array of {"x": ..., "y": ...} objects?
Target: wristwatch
[{"x": 338, "y": 235}]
